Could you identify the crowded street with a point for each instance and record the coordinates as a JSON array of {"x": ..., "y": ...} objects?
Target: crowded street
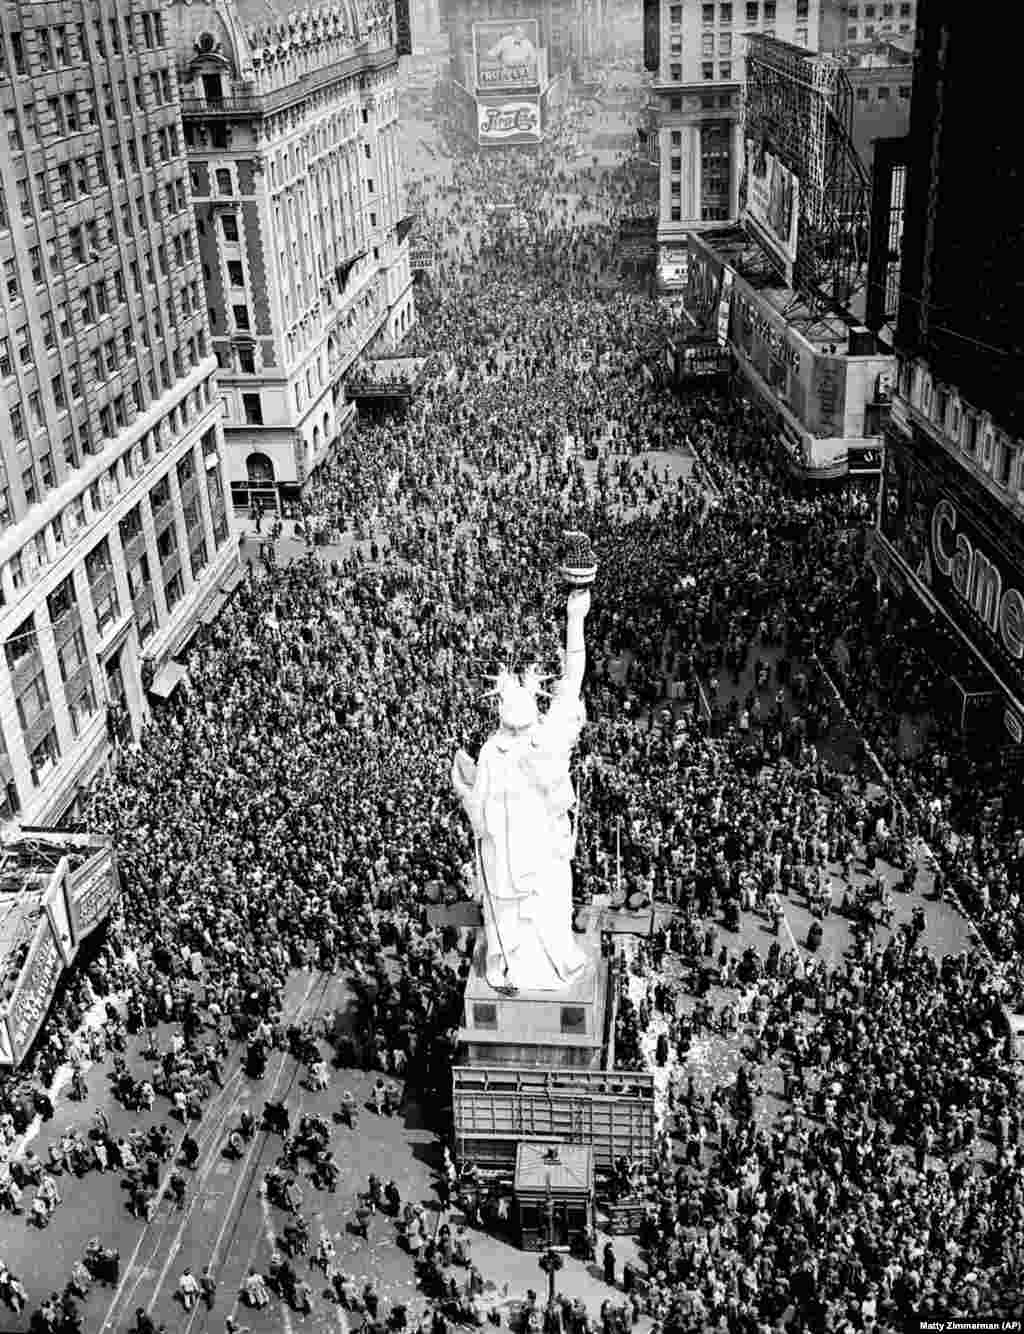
[{"x": 244, "y": 1092}]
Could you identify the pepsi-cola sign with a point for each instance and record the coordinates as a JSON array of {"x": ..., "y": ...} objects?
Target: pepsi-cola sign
[{"x": 508, "y": 122}]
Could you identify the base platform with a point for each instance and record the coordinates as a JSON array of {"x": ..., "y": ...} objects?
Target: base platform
[{"x": 531, "y": 1028}]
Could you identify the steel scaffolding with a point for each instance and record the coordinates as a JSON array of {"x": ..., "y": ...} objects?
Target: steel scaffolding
[{"x": 799, "y": 107}]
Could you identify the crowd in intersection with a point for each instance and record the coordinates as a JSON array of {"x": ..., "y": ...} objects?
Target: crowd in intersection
[{"x": 293, "y": 807}]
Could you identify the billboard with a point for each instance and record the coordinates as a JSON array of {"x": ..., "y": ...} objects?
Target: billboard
[
  {"x": 826, "y": 407},
  {"x": 725, "y": 305},
  {"x": 773, "y": 203},
  {"x": 972, "y": 564},
  {"x": 509, "y": 122},
  {"x": 506, "y": 54},
  {"x": 638, "y": 239}
]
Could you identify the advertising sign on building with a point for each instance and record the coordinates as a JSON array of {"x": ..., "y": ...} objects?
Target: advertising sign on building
[
  {"x": 725, "y": 305},
  {"x": 509, "y": 122},
  {"x": 673, "y": 267},
  {"x": 506, "y": 54},
  {"x": 773, "y": 202},
  {"x": 970, "y": 565},
  {"x": 638, "y": 239},
  {"x": 827, "y": 406},
  {"x": 761, "y": 332}
]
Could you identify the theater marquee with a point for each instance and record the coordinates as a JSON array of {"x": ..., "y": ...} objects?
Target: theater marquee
[{"x": 970, "y": 561}]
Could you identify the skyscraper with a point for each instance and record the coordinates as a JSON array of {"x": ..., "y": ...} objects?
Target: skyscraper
[
  {"x": 696, "y": 52},
  {"x": 952, "y": 521},
  {"x": 114, "y": 529},
  {"x": 291, "y": 128}
]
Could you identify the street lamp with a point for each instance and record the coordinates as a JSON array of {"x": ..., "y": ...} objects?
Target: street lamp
[{"x": 551, "y": 1261}]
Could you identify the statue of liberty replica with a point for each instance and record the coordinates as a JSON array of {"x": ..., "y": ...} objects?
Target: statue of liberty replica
[{"x": 519, "y": 796}]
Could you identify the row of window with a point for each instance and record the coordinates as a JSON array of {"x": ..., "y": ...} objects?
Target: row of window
[
  {"x": 753, "y": 12},
  {"x": 38, "y": 477},
  {"x": 853, "y": 33},
  {"x": 23, "y": 128},
  {"x": 886, "y": 11},
  {"x": 59, "y": 45},
  {"x": 883, "y": 93}
]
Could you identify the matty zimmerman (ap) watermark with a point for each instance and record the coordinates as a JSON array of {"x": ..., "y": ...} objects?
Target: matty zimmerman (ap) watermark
[{"x": 967, "y": 1323}]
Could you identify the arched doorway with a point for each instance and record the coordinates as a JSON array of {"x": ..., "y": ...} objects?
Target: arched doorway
[{"x": 260, "y": 483}]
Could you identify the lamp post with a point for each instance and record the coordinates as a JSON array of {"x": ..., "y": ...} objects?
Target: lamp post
[{"x": 550, "y": 1262}]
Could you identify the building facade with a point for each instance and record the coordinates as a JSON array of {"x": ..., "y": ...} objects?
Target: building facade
[
  {"x": 291, "y": 127},
  {"x": 874, "y": 20},
  {"x": 951, "y": 527},
  {"x": 698, "y": 68},
  {"x": 114, "y": 530},
  {"x": 511, "y": 64}
]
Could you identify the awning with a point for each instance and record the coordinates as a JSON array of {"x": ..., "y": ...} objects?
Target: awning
[
  {"x": 167, "y": 680},
  {"x": 232, "y": 581},
  {"x": 212, "y": 609}
]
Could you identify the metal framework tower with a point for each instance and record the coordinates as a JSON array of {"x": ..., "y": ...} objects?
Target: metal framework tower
[{"x": 799, "y": 106}]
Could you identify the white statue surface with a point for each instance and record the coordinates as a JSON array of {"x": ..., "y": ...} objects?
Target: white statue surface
[{"x": 518, "y": 798}]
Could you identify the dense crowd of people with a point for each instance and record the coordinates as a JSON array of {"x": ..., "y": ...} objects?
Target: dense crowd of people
[{"x": 293, "y": 809}]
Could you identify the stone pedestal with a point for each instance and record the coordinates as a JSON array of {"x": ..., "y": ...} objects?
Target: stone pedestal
[{"x": 554, "y": 1029}]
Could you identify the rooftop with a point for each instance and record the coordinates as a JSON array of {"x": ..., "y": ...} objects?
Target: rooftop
[{"x": 567, "y": 1168}]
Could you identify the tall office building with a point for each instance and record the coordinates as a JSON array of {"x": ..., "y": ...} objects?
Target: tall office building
[
  {"x": 291, "y": 128},
  {"x": 952, "y": 521},
  {"x": 114, "y": 530},
  {"x": 696, "y": 52},
  {"x": 874, "y": 21}
]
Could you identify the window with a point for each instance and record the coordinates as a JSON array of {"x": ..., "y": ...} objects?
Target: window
[
  {"x": 675, "y": 73},
  {"x": 33, "y": 701},
  {"x": 801, "y": 8},
  {"x": 173, "y": 590},
  {"x": 229, "y": 225},
  {"x": 707, "y": 13},
  {"x": 883, "y": 94},
  {"x": 139, "y": 577},
  {"x": 71, "y": 655},
  {"x": 769, "y": 11},
  {"x": 224, "y": 186},
  {"x": 801, "y": 36},
  {"x": 11, "y": 283},
  {"x": 160, "y": 496},
  {"x": 246, "y": 361},
  {"x": 725, "y": 69},
  {"x": 241, "y": 316},
  {"x": 146, "y": 621},
  {"x": 707, "y": 70},
  {"x": 725, "y": 44},
  {"x": 17, "y": 421},
  {"x": 10, "y": 805},
  {"x": 235, "y": 274},
  {"x": 6, "y": 365},
  {"x": 707, "y": 44},
  {"x": 725, "y": 13},
  {"x": 903, "y": 93},
  {"x": 186, "y": 470},
  {"x": 252, "y": 407},
  {"x": 862, "y": 94},
  {"x": 675, "y": 15},
  {"x": 82, "y": 708},
  {"x": 44, "y": 756},
  {"x": 167, "y": 542},
  {"x": 130, "y": 526},
  {"x": 574, "y": 1019},
  {"x": 23, "y": 642},
  {"x": 1004, "y": 464},
  {"x": 485, "y": 1015},
  {"x": 752, "y": 14}
]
